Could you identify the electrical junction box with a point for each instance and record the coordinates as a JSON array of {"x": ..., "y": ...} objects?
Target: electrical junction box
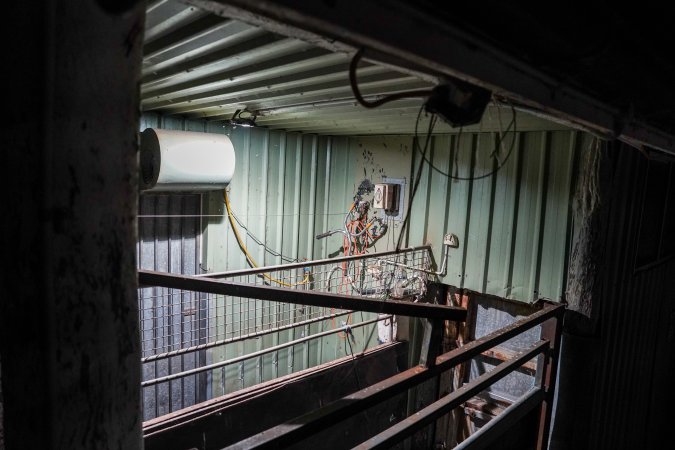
[{"x": 386, "y": 196}]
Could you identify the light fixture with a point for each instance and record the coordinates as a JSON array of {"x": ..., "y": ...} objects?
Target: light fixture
[
  {"x": 458, "y": 102},
  {"x": 245, "y": 122}
]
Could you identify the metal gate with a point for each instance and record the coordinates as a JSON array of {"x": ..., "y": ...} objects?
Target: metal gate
[{"x": 169, "y": 231}]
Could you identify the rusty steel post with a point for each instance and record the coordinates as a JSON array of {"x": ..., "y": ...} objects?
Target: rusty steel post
[
  {"x": 431, "y": 341},
  {"x": 551, "y": 330}
]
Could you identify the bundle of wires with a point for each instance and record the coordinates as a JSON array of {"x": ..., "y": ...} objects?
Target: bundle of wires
[
  {"x": 360, "y": 233},
  {"x": 249, "y": 258}
]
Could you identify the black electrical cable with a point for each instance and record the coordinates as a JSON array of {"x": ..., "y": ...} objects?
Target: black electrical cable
[
  {"x": 354, "y": 366},
  {"x": 418, "y": 177},
  {"x": 261, "y": 243},
  {"x": 381, "y": 101},
  {"x": 498, "y": 143}
]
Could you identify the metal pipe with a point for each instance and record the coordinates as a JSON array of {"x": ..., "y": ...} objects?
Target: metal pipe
[
  {"x": 330, "y": 276},
  {"x": 406, "y": 427},
  {"x": 255, "y": 354},
  {"x": 318, "y": 262},
  {"x": 444, "y": 264},
  {"x": 241, "y": 338},
  {"x": 148, "y": 278},
  {"x": 348, "y": 406}
]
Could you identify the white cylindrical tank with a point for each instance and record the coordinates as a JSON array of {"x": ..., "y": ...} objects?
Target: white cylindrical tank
[{"x": 173, "y": 160}]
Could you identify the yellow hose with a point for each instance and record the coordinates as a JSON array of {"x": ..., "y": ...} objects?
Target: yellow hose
[{"x": 250, "y": 259}]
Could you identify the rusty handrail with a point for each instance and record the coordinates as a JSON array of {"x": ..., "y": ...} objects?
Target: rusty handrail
[{"x": 311, "y": 423}]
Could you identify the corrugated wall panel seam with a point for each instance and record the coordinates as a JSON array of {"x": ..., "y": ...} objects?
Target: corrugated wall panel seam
[
  {"x": 480, "y": 209},
  {"x": 312, "y": 195},
  {"x": 297, "y": 196},
  {"x": 540, "y": 216},
  {"x": 513, "y": 216},
  {"x": 327, "y": 188},
  {"x": 575, "y": 143},
  {"x": 490, "y": 226},
  {"x": 468, "y": 211}
]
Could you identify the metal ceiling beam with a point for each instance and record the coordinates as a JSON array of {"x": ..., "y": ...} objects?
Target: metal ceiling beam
[
  {"x": 184, "y": 35},
  {"x": 374, "y": 83},
  {"x": 437, "y": 48},
  {"x": 339, "y": 92},
  {"x": 163, "y": 16},
  {"x": 243, "y": 51},
  {"x": 284, "y": 64},
  {"x": 320, "y": 117},
  {"x": 302, "y": 81},
  {"x": 349, "y": 113},
  {"x": 149, "y": 278}
]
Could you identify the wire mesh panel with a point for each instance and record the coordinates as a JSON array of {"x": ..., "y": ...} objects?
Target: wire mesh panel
[
  {"x": 257, "y": 340},
  {"x": 169, "y": 241},
  {"x": 387, "y": 275}
]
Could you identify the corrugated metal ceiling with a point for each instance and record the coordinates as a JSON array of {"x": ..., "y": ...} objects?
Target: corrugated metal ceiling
[{"x": 198, "y": 65}]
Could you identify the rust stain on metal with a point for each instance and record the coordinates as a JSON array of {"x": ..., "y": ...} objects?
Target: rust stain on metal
[{"x": 504, "y": 354}]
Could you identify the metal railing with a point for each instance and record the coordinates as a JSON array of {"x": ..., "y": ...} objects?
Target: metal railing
[
  {"x": 539, "y": 397},
  {"x": 298, "y": 305},
  {"x": 177, "y": 321}
]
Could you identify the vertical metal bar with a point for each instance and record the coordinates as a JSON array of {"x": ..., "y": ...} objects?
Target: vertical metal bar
[
  {"x": 259, "y": 315},
  {"x": 202, "y": 304},
  {"x": 281, "y": 192},
  {"x": 431, "y": 341},
  {"x": 155, "y": 301},
  {"x": 551, "y": 330},
  {"x": 181, "y": 317},
  {"x": 168, "y": 312},
  {"x": 463, "y": 375}
]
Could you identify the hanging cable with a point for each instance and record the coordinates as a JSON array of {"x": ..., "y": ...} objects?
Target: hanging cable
[
  {"x": 249, "y": 258},
  {"x": 498, "y": 144},
  {"x": 350, "y": 334},
  {"x": 418, "y": 177},
  {"x": 381, "y": 101},
  {"x": 261, "y": 243}
]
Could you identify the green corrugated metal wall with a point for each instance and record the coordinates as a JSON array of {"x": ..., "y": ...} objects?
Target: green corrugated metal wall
[{"x": 513, "y": 228}]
